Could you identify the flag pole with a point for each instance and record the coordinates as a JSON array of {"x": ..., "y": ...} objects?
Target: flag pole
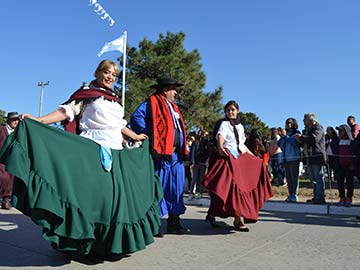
[{"x": 123, "y": 74}]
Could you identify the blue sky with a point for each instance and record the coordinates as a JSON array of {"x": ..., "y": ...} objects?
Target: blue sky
[{"x": 277, "y": 58}]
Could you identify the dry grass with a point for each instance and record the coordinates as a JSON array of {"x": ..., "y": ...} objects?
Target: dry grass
[{"x": 306, "y": 191}]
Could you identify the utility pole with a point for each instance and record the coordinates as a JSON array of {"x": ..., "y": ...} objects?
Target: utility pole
[{"x": 42, "y": 85}]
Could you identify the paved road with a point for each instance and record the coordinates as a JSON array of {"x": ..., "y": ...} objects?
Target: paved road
[{"x": 278, "y": 241}]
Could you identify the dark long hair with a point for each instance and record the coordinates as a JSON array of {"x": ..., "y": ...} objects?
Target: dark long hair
[
  {"x": 273, "y": 131},
  {"x": 231, "y": 102},
  {"x": 293, "y": 123},
  {"x": 233, "y": 122},
  {"x": 255, "y": 143}
]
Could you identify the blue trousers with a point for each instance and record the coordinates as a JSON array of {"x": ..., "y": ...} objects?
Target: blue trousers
[
  {"x": 172, "y": 177},
  {"x": 317, "y": 178}
]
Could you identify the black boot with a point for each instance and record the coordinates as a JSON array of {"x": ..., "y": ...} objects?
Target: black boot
[
  {"x": 211, "y": 219},
  {"x": 159, "y": 235},
  {"x": 174, "y": 226}
]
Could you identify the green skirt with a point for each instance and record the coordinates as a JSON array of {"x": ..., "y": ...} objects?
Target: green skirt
[{"x": 61, "y": 185}]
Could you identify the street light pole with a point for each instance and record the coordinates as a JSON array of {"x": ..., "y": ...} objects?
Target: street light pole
[{"x": 42, "y": 85}]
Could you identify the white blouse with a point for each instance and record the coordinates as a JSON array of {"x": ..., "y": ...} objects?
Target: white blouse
[
  {"x": 102, "y": 121},
  {"x": 226, "y": 130}
]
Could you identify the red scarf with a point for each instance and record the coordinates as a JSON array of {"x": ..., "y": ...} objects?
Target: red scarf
[
  {"x": 94, "y": 90},
  {"x": 163, "y": 128}
]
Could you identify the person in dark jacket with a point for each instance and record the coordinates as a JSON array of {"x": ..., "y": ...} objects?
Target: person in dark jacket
[
  {"x": 346, "y": 161},
  {"x": 6, "y": 179},
  {"x": 199, "y": 154},
  {"x": 355, "y": 130},
  {"x": 313, "y": 142},
  {"x": 357, "y": 156},
  {"x": 331, "y": 146}
]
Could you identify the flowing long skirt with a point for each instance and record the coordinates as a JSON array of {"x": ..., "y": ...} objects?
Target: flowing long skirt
[
  {"x": 59, "y": 182},
  {"x": 238, "y": 187}
]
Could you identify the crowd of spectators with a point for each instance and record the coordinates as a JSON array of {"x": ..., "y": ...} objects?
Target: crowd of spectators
[{"x": 314, "y": 153}]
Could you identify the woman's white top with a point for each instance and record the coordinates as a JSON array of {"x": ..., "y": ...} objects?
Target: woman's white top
[
  {"x": 101, "y": 121},
  {"x": 329, "y": 151},
  {"x": 226, "y": 130},
  {"x": 274, "y": 145}
]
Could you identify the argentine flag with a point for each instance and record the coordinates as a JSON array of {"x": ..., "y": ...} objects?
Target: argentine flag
[{"x": 115, "y": 45}]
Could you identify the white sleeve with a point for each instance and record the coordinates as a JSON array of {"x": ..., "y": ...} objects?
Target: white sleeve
[
  {"x": 242, "y": 140},
  {"x": 242, "y": 148},
  {"x": 72, "y": 109},
  {"x": 242, "y": 137},
  {"x": 223, "y": 130},
  {"x": 123, "y": 123}
]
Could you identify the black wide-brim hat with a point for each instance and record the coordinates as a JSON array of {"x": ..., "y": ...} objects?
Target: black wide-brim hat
[
  {"x": 13, "y": 115},
  {"x": 163, "y": 82}
]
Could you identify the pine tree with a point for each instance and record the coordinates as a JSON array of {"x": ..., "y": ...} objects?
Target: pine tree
[
  {"x": 167, "y": 57},
  {"x": 250, "y": 120},
  {"x": 2, "y": 117}
]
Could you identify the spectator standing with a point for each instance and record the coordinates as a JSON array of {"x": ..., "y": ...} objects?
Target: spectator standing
[
  {"x": 346, "y": 166},
  {"x": 6, "y": 179},
  {"x": 276, "y": 157},
  {"x": 331, "y": 145},
  {"x": 355, "y": 129},
  {"x": 188, "y": 172},
  {"x": 199, "y": 155},
  {"x": 357, "y": 155},
  {"x": 292, "y": 156},
  {"x": 314, "y": 148}
]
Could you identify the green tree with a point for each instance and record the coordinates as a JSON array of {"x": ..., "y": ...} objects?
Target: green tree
[
  {"x": 2, "y": 117},
  {"x": 250, "y": 120},
  {"x": 168, "y": 57}
]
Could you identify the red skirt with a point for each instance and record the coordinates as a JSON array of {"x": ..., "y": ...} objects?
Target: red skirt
[{"x": 238, "y": 187}]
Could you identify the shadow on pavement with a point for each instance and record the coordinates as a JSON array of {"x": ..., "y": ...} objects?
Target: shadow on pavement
[
  {"x": 310, "y": 219},
  {"x": 200, "y": 227},
  {"x": 21, "y": 244},
  {"x": 94, "y": 259}
]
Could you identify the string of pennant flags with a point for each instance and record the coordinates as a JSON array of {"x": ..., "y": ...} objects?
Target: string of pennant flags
[
  {"x": 115, "y": 45},
  {"x": 99, "y": 10}
]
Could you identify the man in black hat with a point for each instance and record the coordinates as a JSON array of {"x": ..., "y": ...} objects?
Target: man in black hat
[
  {"x": 161, "y": 120},
  {"x": 6, "y": 179}
]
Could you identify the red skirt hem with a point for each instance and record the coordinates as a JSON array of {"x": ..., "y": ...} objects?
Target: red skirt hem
[{"x": 238, "y": 187}]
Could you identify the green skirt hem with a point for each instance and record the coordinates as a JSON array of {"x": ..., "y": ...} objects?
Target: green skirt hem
[{"x": 125, "y": 223}]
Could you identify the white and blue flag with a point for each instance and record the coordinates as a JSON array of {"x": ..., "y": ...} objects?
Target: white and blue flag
[{"x": 115, "y": 45}]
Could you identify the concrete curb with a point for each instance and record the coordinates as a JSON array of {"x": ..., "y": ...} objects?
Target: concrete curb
[
  {"x": 270, "y": 206},
  {"x": 277, "y": 206}
]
